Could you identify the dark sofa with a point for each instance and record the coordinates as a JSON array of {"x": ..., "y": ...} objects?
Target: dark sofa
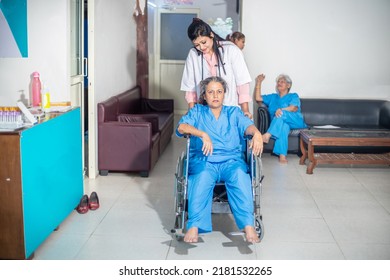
[
  {"x": 133, "y": 132},
  {"x": 353, "y": 114}
]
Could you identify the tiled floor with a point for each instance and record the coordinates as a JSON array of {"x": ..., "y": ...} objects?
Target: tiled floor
[{"x": 339, "y": 212}]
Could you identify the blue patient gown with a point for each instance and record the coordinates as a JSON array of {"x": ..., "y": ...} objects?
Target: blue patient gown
[
  {"x": 226, "y": 164},
  {"x": 280, "y": 126}
]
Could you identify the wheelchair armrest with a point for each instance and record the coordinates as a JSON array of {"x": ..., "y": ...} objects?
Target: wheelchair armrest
[{"x": 264, "y": 118}]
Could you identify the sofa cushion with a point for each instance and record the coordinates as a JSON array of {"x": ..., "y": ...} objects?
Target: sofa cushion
[
  {"x": 157, "y": 105},
  {"x": 164, "y": 119},
  {"x": 341, "y": 112},
  {"x": 152, "y": 118},
  {"x": 129, "y": 101}
]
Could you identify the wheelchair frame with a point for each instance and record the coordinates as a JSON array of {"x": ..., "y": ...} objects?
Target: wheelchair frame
[{"x": 181, "y": 185}]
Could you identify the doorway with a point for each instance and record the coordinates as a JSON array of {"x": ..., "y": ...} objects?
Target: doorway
[
  {"x": 77, "y": 67},
  {"x": 81, "y": 17},
  {"x": 170, "y": 56}
]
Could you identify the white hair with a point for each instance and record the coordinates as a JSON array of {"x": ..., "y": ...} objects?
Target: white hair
[{"x": 286, "y": 78}]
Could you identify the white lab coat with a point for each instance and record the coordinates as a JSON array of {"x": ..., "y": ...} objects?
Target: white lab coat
[{"x": 237, "y": 72}]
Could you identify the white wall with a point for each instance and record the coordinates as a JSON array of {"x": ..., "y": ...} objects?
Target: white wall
[
  {"x": 48, "y": 51},
  {"x": 114, "y": 35},
  {"x": 333, "y": 48},
  {"x": 47, "y": 28},
  {"x": 210, "y": 10},
  {"x": 115, "y": 47}
]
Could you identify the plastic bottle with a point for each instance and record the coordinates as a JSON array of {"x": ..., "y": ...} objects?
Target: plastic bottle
[
  {"x": 45, "y": 98},
  {"x": 36, "y": 90}
]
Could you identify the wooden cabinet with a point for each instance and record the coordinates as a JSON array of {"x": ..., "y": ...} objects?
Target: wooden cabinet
[{"x": 41, "y": 181}]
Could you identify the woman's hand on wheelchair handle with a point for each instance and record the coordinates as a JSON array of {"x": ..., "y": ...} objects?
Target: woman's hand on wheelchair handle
[{"x": 249, "y": 115}]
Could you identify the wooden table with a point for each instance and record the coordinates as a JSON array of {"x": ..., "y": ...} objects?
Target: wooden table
[{"x": 310, "y": 139}]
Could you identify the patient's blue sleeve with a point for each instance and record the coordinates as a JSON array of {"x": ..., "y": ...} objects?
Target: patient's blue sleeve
[{"x": 189, "y": 118}]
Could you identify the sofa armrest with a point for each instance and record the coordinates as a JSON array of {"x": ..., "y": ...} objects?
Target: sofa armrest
[
  {"x": 157, "y": 105},
  {"x": 122, "y": 145},
  {"x": 132, "y": 118},
  {"x": 263, "y": 118},
  {"x": 384, "y": 115}
]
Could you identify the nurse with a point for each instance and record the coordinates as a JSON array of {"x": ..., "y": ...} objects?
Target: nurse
[
  {"x": 214, "y": 56},
  {"x": 216, "y": 155},
  {"x": 237, "y": 38},
  {"x": 285, "y": 111}
]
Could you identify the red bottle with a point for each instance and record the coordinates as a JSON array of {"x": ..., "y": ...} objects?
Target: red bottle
[{"x": 36, "y": 90}]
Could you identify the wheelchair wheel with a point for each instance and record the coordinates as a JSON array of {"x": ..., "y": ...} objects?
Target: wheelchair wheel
[
  {"x": 259, "y": 227},
  {"x": 257, "y": 192},
  {"x": 180, "y": 193}
]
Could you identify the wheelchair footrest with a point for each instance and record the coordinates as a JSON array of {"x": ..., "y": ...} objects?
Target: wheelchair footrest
[{"x": 236, "y": 233}]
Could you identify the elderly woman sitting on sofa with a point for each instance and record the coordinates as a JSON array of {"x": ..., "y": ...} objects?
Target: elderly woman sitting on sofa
[{"x": 285, "y": 112}]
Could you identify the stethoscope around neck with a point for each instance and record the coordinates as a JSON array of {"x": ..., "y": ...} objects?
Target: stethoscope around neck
[{"x": 219, "y": 63}]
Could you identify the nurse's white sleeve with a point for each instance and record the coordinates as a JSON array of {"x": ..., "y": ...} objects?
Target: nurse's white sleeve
[
  {"x": 188, "y": 78},
  {"x": 240, "y": 69}
]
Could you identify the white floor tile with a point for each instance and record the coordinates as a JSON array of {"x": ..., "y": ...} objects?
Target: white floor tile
[
  {"x": 364, "y": 209},
  {"x": 293, "y": 229},
  {"x": 365, "y": 251},
  {"x": 123, "y": 247},
  {"x": 336, "y": 190},
  {"x": 275, "y": 250},
  {"x": 339, "y": 212},
  {"x": 362, "y": 230},
  {"x": 61, "y": 246}
]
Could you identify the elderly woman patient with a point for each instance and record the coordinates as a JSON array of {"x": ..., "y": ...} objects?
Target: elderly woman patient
[
  {"x": 216, "y": 155},
  {"x": 285, "y": 111}
]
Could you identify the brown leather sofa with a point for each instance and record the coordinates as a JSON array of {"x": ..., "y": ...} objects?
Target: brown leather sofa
[{"x": 133, "y": 132}]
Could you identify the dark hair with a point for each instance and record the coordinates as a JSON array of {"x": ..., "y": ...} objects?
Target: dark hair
[
  {"x": 205, "y": 83},
  {"x": 199, "y": 28}
]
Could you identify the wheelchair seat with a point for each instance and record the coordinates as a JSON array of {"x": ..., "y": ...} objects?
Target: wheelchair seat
[{"x": 220, "y": 202}]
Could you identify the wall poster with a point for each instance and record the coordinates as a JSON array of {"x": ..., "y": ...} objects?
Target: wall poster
[{"x": 13, "y": 28}]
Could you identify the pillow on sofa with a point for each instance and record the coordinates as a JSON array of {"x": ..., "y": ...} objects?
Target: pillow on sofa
[{"x": 152, "y": 118}]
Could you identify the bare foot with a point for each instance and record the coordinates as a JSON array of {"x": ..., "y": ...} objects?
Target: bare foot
[
  {"x": 192, "y": 235},
  {"x": 266, "y": 137},
  {"x": 251, "y": 234},
  {"x": 282, "y": 159}
]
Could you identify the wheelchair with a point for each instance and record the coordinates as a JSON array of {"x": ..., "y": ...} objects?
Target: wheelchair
[{"x": 220, "y": 203}]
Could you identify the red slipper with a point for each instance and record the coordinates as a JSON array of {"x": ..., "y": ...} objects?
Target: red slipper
[
  {"x": 82, "y": 208},
  {"x": 93, "y": 201}
]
